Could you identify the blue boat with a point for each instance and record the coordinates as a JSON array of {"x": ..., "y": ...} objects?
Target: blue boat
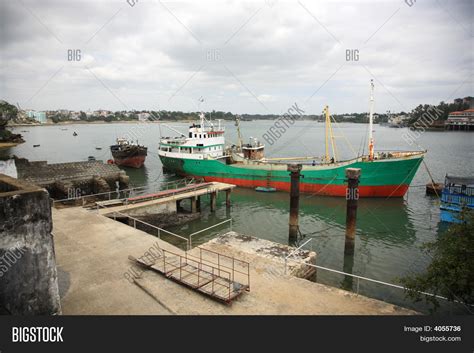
[{"x": 458, "y": 193}]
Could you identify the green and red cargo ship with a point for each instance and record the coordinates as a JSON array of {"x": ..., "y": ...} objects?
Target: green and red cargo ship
[{"x": 202, "y": 153}]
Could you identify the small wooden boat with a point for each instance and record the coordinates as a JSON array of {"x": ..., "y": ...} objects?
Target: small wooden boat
[
  {"x": 98, "y": 148},
  {"x": 264, "y": 189},
  {"x": 434, "y": 188},
  {"x": 36, "y": 145},
  {"x": 74, "y": 134}
]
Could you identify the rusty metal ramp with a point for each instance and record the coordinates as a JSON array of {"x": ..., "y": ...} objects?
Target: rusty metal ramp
[{"x": 215, "y": 275}]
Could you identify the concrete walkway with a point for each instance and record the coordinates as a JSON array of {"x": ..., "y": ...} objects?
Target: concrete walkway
[
  {"x": 93, "y": 250},
  {"x": 213, "y": 187}
]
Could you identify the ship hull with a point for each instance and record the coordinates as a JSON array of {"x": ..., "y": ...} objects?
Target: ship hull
[
  {"x": 132, "y": 162},
  {"x": 379, "y": 178}
]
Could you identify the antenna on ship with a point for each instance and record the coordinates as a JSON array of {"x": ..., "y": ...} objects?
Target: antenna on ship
[
  {"x": 201, "y": 113},
  {"x": 371, "y": 121}
]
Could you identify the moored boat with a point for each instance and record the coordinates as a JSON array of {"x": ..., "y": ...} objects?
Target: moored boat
[
  {"x": 202, "y": 153},
  {"x": 458, "y": 193},
  {"x": 128, "y": 154}
]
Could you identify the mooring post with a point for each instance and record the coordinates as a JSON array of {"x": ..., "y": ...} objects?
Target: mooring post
[
  {"x": 193, "y": 204},
  {"x": 213, "y": 201},
  {"x": 294, "y": 170},
  {"x": 352, "y": 196},
  {"x": 227, "y": 197},
  {"x": 198, "y": 203}
]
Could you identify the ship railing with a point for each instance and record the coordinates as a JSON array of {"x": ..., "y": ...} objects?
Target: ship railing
[
  {"x": 350, "y": 275},
  {"x": 458, "y": 199},
  {"x": 460, "y": 190}
]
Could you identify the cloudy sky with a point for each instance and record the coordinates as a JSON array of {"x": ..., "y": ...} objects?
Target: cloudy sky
[{"x": 239, "y": 56}]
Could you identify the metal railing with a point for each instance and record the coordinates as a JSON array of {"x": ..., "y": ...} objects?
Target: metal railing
[
  {"x": 159, "y": 230},
  {"x": 130, "y": 192},
  {"x": 175, "y": 191},
  {"x": 458, "y": 199},
  {"x": 205, "y": 274},
  {"x": 352, "y": 275},
  {"x": 295, "y": 250},
  {"x": 231, "y": 268},
  {"x": 205, "y": 229}
]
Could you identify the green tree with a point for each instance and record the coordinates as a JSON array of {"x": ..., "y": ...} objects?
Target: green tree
[
  {"x": 451, "y": 271},
  {"x": 8, "y": 112}
]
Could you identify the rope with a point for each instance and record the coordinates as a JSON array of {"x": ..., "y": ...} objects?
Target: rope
[
  {"x": 431, "y": 178},
  {"x": 344, "y": 136}
]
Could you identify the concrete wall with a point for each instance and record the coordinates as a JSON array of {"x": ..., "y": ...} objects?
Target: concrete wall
[
  {"x": 28, "y": 277},
  {"x": 169, "y": 207}
]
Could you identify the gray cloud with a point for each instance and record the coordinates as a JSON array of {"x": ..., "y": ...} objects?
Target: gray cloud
[{"x": 281, "y": 53}]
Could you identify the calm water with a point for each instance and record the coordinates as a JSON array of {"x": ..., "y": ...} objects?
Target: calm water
[{"x": 389, "y": 232}]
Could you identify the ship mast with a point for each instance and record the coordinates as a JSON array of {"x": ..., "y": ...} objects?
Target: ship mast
[
  {"x": 201, "y": 116},
  {"x": 371, "y": 121},
  {"x": 239, "y": 135},
  {"x": 329, "y": 136}
]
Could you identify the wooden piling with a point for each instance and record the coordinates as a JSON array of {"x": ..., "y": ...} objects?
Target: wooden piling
[
  {"x": 193, "y": 204},
  {"x": 198, "y": 203},
  {"x": 213, "y": 201},
  {"x": 294, "y": 170},
  {"x": 352, "y": 196},
  {"x": 227, "y": 197}
]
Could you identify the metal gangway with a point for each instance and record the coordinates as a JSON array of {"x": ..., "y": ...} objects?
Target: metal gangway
[{"x": 210, "y": 273}]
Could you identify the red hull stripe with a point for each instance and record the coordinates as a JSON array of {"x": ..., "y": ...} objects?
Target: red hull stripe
[
  {"x": 319, "y": 189},
  {"x": 134, "y": 162}
]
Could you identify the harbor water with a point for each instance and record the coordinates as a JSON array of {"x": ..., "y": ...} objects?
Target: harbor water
[{"x": 390, "y": 232}]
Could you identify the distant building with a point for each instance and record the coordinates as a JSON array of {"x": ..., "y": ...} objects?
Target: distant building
[
  {"x": 470, "y": 101},
  {"x": 143, "y": 116},
  {"x": 38, "y": 116},
  {"x": 466, "y": 100},
  {"x": 349, "y": 116},
  {"x": 461, "y": 120},
  {"x": 102, "y": 113}
]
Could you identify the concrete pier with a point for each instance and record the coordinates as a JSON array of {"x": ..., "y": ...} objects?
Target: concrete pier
[
  {"x": 74, "y": 179},
  {"x": 170, "y": 203},
  {"x": 93, "y": 251}
]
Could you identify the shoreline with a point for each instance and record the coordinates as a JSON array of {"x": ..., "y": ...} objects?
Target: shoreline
[{"x": 101, "y": 122}]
